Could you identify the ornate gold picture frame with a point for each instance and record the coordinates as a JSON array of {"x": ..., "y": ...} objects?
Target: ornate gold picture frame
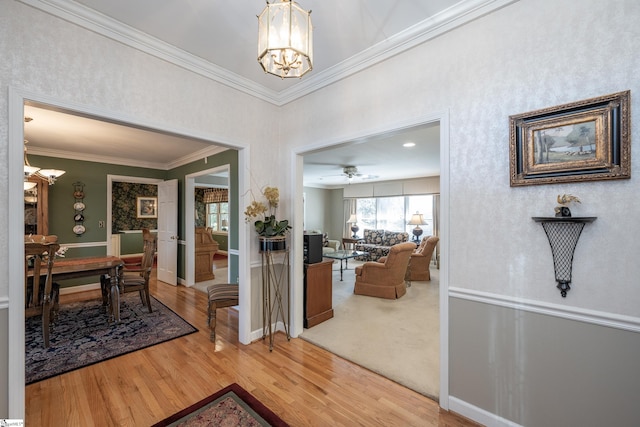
[{"x": 587, "y": 140}]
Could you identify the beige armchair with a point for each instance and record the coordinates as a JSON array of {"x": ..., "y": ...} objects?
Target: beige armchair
[
  {"x": 331, "y": 246},
  {"x": 421, "y": 259},
  {"x": 385, "y": 280}
]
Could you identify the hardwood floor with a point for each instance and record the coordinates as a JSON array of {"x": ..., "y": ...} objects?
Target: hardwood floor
[{"x": 304, "y": 384}]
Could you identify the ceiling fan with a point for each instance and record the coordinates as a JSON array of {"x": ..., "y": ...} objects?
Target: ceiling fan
[{"x": 351, "y": 172}]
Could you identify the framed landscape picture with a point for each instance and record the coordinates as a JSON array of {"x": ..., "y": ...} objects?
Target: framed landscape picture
[
  {"x": 147, "y": 207},
  {"x": 583, "y": 141}
]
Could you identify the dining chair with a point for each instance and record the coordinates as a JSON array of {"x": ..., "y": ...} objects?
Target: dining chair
[
  {"x": 39, "y": 295},
  {"x": 135, "y": 277}
]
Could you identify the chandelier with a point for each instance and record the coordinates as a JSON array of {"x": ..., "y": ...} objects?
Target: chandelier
[
  {"x": 285, "y": 41},
  {"x": 49, "y": 175}
]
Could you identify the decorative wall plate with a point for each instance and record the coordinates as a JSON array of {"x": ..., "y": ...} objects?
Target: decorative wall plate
[
  {"x": 79, "y": 229},
  {"x": 79, "y": 206},
  {"x": 78, "y": 217}
]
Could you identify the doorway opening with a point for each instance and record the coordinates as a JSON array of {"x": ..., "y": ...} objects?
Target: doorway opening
[
  {"x": 441, "y": 119},
  {"x": 18, "y": 99}
]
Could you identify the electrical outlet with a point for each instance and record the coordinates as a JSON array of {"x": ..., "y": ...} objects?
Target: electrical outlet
[{"x": 100, "y": 224}]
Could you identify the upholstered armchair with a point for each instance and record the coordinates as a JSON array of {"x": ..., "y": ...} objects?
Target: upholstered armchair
[
  {"x": 385, "y": 280},
  {"x": 330, "y": 246},
  {"x": 421, "y": 259}
]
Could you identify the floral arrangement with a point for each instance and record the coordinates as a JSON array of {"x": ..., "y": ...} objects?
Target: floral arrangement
[{"x": 269, "y": 226}]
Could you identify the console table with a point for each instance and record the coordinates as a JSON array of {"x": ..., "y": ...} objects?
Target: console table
[{"x": 317, "y": 293}]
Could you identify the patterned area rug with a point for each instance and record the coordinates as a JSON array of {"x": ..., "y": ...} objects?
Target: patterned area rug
[
  {"x": 230, "y": 407},
  {"x": 82, "y": 336}
]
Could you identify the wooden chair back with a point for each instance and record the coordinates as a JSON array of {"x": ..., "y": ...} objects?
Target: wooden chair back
[
  {"x": 135, "y": 277},
  {"x": 38, "y": 295}
]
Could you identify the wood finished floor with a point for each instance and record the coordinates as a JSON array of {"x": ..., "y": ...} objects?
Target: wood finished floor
[{"x": 304, "y": 384}]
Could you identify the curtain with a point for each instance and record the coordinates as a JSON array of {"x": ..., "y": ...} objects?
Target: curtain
[
  {"x": 349, "y": 209},
  {"x": 216, "y": 195},
  {"x": 436, "y": 227}
]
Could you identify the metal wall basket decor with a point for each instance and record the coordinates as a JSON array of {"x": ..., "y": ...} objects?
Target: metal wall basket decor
[{"x": 563, "y": 234}]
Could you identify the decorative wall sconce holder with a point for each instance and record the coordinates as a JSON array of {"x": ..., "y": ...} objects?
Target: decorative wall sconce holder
[{"x": 563, "y": 234}]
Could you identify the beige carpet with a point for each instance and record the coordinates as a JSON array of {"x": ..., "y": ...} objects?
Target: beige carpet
[
  {"x": 395, "y": 338},
  {"x": 221, "y": 277}
]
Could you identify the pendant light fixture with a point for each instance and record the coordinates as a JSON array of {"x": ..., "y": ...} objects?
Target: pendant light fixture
[
  {"x": 285, "y": 41},
  {"x": 49, "y": 175}
]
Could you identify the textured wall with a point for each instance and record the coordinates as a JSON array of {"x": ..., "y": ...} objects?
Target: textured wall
[
  {"x": 529, "y": 55},
  {"x": 53, "y": 58},
  {"x": 526, "y": 56}
]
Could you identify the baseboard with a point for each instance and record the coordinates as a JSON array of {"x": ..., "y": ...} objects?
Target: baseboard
[
  {"x": 258, "y": 334},
  {"x": 478, "y": 415}
]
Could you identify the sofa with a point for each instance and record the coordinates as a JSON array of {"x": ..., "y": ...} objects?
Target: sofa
[
  {"x": 385, "y": 280},
  {"x": 378, "y": 242}
]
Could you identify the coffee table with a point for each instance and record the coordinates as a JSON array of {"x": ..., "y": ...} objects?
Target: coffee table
[{"x": 344, "y": 256}]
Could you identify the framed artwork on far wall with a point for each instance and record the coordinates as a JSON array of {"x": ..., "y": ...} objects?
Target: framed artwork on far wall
[
  {"x": 146, "y": 207},
  {"x": 587, "y": 140}
]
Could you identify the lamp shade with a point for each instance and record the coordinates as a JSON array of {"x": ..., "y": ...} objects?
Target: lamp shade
[
  {"x": 416, "y": 219},
  {"x": 224, "y": 223},
  {"x": 285, "y": 42},
  {"x": 352, "y": 219}
]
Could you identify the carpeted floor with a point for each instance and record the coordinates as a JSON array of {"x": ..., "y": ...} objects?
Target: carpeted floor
[
  {"x": 396, "y": 338},
  {"x": 82, "y": 336},
  {"x": 232, "y": 406}
]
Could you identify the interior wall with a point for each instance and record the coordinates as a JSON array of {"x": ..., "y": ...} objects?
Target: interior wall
[
  {"x": 317, "y": 209},
  {"x": 528, "y": 55},
  {"x": 57, "y": 60}
]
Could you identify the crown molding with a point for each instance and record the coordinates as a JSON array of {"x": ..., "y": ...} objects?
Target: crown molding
[
  {"x": 191, "y": 157},
  {"x": 447, "y": 20}
]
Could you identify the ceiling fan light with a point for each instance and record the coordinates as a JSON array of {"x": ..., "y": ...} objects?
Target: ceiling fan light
[{"x": 285, "y": 39}]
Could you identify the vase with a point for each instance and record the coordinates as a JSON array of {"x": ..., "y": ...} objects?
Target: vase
[{"x": 271, "y": 244}]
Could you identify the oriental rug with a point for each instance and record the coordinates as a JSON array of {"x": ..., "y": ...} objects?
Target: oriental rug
[
  {"x": 230, "y": 407},
  {"x": 82, "y": 336}
]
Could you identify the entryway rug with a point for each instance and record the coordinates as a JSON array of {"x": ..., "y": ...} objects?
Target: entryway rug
[
  {"x": 230, "y": 407},
  {"x": 82, "y": 336}
]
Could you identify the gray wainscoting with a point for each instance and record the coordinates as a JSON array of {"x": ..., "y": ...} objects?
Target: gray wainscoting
[{"x": 539, "y": 370}]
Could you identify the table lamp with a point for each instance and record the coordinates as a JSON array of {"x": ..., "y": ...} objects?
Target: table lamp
[
  {"x": 417, "y": 220},
  {"x": 354, "y": 227}
]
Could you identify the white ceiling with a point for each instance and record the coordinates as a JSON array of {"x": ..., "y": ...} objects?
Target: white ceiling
[{"x": 219, "y": 40}]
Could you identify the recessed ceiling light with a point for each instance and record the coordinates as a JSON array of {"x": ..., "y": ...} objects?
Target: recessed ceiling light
[{"x": 409, "y": 144}]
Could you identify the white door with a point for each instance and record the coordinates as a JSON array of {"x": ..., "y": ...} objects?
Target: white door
[{"x": 168, "y": 232}]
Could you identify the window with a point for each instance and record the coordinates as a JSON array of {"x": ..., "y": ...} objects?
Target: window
[
  {"x": 218, "y": 216},
  {"x": 393, "y": 213}
]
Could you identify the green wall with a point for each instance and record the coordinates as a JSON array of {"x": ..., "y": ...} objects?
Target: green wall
[{"x": 94, "y": 177}]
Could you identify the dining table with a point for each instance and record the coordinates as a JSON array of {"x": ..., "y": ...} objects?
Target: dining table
[{"x": 107, "y": 267}]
